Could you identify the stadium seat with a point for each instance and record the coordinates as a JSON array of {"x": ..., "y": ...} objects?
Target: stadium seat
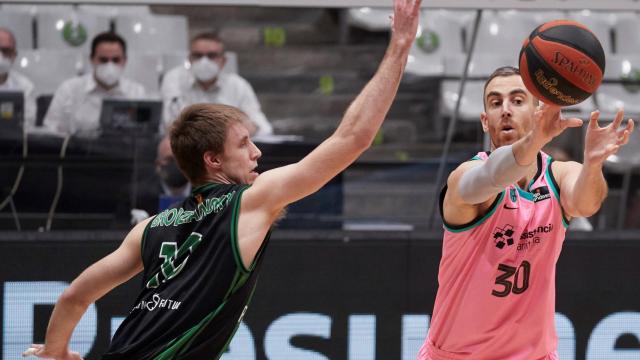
[
  {"x": 626, "y": 32},
  {"x": 502, "y": 32},
  {"x": 439, "y": 37},
  {"x": 35, "y": 9},
  {"x": 20, "y": 23},
  {"x": 480, "y": 67},
  {"x": 601, "y": 23},
  {"x": 49, "y": 68},
  {"x": 542, "y": 17},
  {"x": 370, "y": 18},
  {"x": 615, "y": 93},
  {"x": 145, "y": 69},
  {"x": 113, "y": 11},
  {"x": 154, "y": 34},
  {"x": 69, "y": 30}
]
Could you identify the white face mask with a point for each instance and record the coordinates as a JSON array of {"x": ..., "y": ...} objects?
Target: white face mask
[
  {"x": 108, "y": 73},
  {"x": 5, "y": 64},
  {"x": 205, "y": 69}
]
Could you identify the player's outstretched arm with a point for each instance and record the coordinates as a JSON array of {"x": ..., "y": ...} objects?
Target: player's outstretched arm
[
  {"x": 275, "y": 189},
  {"x": 582, "y": 186},
  {"x": 475, "y": 184},
  {"x": 358, "y": 127},
  {"x": 89, "y": 286}
]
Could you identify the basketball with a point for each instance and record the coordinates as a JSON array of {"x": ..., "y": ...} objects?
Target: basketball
[{"x": 562, "y": 62}]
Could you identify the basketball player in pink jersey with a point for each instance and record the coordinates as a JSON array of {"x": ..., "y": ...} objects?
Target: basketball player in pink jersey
[{"x": 505, "y": 214}]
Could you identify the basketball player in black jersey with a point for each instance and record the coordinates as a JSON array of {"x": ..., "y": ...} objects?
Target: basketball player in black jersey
[{"x": 200, "y": 258}]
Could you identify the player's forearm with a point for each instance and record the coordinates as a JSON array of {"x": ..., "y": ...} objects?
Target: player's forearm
[
  {"x": 526, "y": 150},
  {"x": 499, "y": 171},
  {"x": 589, "y": 191},
  {"x": 64, "y": 318},
  {"x": 366, "y": 113}
]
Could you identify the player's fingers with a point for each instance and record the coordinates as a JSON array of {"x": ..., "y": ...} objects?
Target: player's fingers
[
  {"x": 611, "y": 149},
  {"x": 397, "y": 5},
  {"x": 593, "y": 119},
  {"x": 549, "y": 108},
  {"x": 624, "y": 138},
  {"x": 416, "y": 6},
  {"x": 30, "y": 352},
  {"x": 572, "y": 122},
  {"x": 618, "y": 119}
]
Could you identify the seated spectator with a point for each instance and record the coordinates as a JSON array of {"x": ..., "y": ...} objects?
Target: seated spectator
[
  {"x": 76, "y": 104},
  {"x": 167, "y": 186},
  {"x": 11, "y": 80},
  {"x": 205, "y": 83},
  {"x": 172, "y": 181}
]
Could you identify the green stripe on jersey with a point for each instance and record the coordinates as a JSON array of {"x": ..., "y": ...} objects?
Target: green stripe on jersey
[
  {"x": 180, "y": 344},
  {"x": 556, "y": 191},
  {"x": 525, "y": 194},
  {"x": 481, "y": 220},
  {"x": 235, "y": 215}
]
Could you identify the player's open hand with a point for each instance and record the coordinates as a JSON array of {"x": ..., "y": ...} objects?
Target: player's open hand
[
  {"x": 404, "y": 22},
  {"x": 40, "y": 351},
  {"x": 602, "y": 142},
  {"x": 548, "y": 122}
]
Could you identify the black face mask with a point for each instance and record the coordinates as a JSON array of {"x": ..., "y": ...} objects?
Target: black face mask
[{"x": 171, "y": 175}]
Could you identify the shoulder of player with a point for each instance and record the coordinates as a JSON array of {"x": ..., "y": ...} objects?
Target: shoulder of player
[
  {"x": 563, "y": 168},
  {"x": 262, "y": 195}
]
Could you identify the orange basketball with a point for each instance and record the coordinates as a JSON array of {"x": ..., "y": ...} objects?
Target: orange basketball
[{"x": 562, "y": 62}]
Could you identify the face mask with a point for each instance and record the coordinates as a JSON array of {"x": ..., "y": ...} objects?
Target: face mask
[
  {"x": 171, "y": 175},
  {"x": 205, "y": 69},
  {"x": 108, "y": 73},
  {"x": 5, "y": 64}
]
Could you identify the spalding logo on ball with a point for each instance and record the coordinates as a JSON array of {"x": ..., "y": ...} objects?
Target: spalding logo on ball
[{"x": 562, "y": 62}]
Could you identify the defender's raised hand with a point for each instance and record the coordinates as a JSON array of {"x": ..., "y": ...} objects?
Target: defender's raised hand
[
  {"x": 404, "y": 22},
  {"x": 602, "y": 142}
]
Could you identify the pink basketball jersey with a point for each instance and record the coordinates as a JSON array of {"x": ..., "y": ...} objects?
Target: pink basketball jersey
[{"x": 496, "y": 295}]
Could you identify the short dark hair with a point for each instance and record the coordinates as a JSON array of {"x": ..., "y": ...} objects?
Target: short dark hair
[
  {"x": 198, "y": 129},
  {"x": 207, "y": 35},
  {"x": 108, "y": 37},
  {"x": 502, "y": 71}
]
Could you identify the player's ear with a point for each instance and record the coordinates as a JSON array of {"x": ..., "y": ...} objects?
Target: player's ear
[
  {"x": 212, "y": 160},
  {"x": 484, "y": 119}
]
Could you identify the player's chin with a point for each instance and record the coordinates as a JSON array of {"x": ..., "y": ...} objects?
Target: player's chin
[
  {"x": 252, "y": 177},
  {"x": 506, "y": 139}
]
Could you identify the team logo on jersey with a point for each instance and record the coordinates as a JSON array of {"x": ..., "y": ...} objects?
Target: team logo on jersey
[
  {"x": 512, "y": 194},
  {"x": 503, "y": 236},
  {"x": 533, "y": 237},
  {"x": 157, "y": 302},
  {"x": 541, "y": 193}
]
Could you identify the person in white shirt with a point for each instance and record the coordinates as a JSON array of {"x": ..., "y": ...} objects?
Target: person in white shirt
[
  {"x": 75, "y": 107},
  {"x": 11, "y": 80},
  {"x": 204, "y": 82}
]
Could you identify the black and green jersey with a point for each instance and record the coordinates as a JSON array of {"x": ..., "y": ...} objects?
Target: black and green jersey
[{"x": 195, "y": 287}]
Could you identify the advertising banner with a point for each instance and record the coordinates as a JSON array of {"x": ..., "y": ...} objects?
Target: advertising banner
[{"x": 333, "y": 298}]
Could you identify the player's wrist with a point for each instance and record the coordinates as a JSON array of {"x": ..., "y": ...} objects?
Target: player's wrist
[
  {"x": 535, "y": 141},
  {"x": 592, "y": 162},
  {"x": 400, "y": 45}
]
